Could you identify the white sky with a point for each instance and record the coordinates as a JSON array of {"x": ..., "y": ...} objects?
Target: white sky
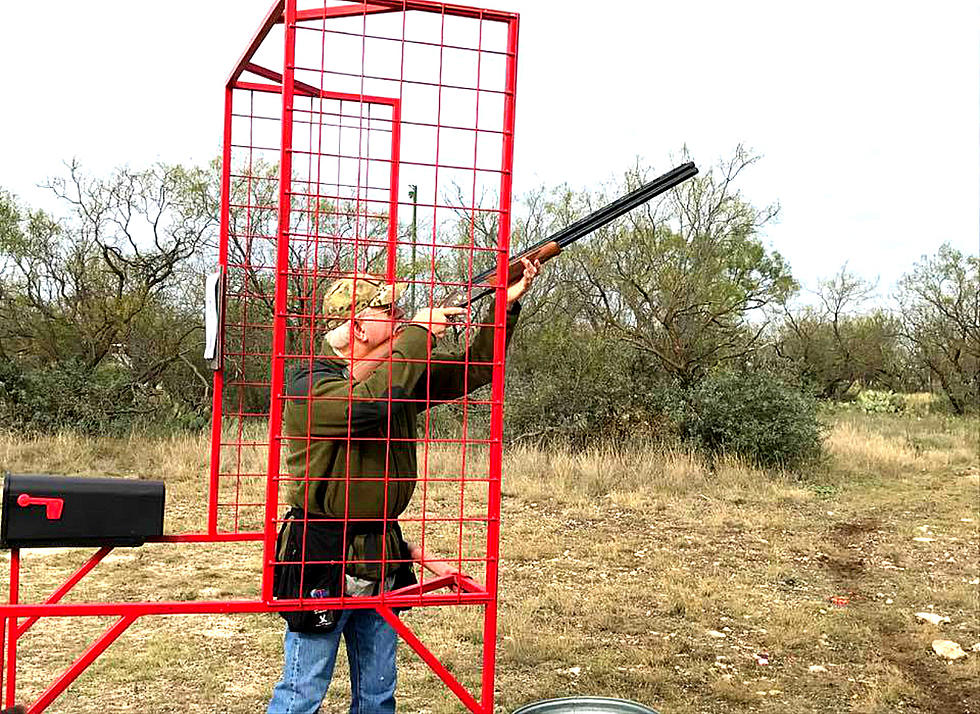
[{"x": 867, "y": 113}]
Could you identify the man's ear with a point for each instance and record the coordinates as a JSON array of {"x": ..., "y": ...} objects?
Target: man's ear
[{"x": 358, "y": 331}]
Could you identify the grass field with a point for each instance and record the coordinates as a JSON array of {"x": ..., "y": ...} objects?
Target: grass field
[{"x": 649, "y": 576}]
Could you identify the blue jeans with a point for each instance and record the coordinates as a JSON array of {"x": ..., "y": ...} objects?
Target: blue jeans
[{"x": 309, "y": 662}]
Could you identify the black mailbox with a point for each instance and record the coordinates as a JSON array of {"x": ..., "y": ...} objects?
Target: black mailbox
[{"x": 48, "y": 511}]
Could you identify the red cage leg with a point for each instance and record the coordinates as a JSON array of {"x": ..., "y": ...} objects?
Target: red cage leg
[
  {"x": 11, "y": 633},
  {"x": 3, "y": 650},
  {"x": 489, "y": 654}
]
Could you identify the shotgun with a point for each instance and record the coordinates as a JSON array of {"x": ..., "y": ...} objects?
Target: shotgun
[{"x": 553, "y": 245}]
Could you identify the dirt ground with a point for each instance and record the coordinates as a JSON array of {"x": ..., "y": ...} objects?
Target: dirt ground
[{"x": 651, "y": 576}]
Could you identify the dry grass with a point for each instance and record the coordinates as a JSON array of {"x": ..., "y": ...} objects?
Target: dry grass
[{"x": 615, "y": 568}]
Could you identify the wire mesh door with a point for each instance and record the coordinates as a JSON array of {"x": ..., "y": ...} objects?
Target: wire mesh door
[{"x": 342, "y": 218}]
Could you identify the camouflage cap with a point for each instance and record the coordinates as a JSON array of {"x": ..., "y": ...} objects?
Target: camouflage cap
[{"x": 347, "y": 297}]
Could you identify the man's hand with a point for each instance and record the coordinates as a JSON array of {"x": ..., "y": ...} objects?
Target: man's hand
[
  {"x": 436, "y": 567},
  {"x": 435, "y": 319},
  {"x": 515, "y": 291}
]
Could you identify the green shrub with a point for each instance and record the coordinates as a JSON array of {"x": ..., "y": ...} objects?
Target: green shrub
[
  {"x": 753, "y": 415},
  {"x": 69, "y": 395},
  {"x": 586, "y": 392},
  {"x": 878, "y": 402}
]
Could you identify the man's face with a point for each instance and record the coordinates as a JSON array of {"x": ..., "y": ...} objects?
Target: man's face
[{"x": 378, "y": 324}]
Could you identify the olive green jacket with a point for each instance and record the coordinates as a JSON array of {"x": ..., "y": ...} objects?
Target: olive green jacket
[{"x": 333, "y": 427}]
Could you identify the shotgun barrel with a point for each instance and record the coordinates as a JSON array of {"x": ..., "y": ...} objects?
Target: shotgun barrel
[{"x": 555, "y": 243}]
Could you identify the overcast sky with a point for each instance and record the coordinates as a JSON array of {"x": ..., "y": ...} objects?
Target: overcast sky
[{"x": 866, "y": 113}]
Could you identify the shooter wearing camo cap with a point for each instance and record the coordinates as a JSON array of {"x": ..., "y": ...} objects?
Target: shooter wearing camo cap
[
  {"x": 349, "y": 429},
  {"x": 349, "y": 297}
]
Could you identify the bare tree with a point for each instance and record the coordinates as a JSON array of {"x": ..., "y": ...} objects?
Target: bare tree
[
  {"x": 80, "y": 283},
  {"x": 107, "y": 297},
  {"x": 940, "y": 312},
  {"x": 839, "y": 342},
  {"x": 686, "y": 278}
]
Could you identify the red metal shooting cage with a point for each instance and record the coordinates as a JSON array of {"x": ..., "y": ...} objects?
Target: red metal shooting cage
[{"x": 359, "y": 138}]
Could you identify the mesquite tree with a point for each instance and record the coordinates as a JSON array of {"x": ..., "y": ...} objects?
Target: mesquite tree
[
  {"x": 837, "y": 342},
  {"x": 686, "y": 279},
  {"x": 108, "y": 296},
  {"x": 940, "y": 313}
]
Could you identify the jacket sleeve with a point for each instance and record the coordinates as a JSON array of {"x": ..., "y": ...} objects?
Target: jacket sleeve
[
  {"x": 338, "y": 409},
  {"x": 454, "y": 374}
]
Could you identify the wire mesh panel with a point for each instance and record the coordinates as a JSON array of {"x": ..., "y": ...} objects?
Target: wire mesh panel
[{"x": 414, "y": 98}]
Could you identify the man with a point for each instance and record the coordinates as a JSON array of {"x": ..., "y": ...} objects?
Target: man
[{"x": 349, "y": 423}]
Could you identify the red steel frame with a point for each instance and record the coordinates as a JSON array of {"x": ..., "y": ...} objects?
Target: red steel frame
[{"x": 293, "y": 95}]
